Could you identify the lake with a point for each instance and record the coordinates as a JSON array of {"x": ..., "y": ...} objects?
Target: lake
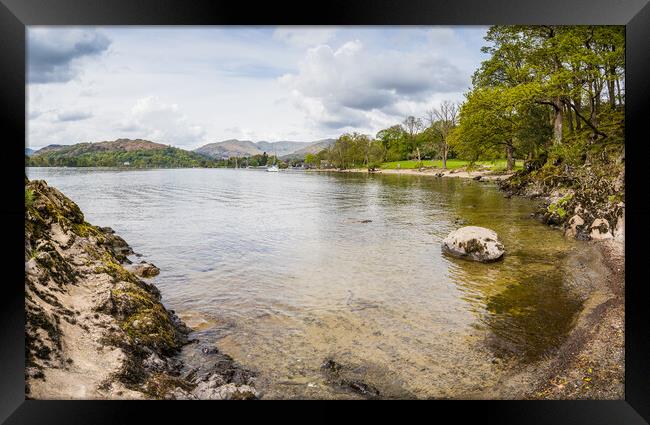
[{"x": 285, "y": 270}]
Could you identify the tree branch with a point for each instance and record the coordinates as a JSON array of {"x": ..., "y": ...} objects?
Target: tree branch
[{"x": 586, "y": 121}]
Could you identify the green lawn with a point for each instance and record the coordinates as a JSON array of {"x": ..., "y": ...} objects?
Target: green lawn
[{"x": 452, "y": 164}]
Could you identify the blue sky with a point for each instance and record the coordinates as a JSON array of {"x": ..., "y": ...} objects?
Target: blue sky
[{"x": 187, "y": 86}]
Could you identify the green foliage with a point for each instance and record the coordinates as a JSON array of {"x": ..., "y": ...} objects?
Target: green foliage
[
  {"x": 558, "y": 207},
  {"x": 310, "y": 159},
  {"x": 394, "y": 141},
  {"x": 29, "y": 198},
  {"x": 355, "y": 150},
  {"x": 546, "y": 91},
  {"x": 168, "y": 157}
]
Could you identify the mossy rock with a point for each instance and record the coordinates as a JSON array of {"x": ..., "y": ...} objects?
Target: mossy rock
[
  {"x": 52, "y": 264},
  {"x": 144, "y": 319}
]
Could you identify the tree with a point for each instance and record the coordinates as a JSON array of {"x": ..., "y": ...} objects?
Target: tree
[
  {"x": 500, "y": 119},
  {"x": 413, "y": 126},
  {"x": 350, "y": 150},
  {"x": 394, "y": 141},
  {"x": 442, "y": 121},
  {"x": 570, "y": 66},
  {"x": 310, "y": 159},
  {"x": 376, "y": 155}
]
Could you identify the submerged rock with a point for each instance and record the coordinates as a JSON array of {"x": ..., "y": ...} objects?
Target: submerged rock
[
  {"x": 345, "y": 377},
  {"x": 474, "y": 243}
]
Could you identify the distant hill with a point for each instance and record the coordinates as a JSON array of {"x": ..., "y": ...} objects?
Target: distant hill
[
  {"x": 29, "y": 151},
  {"x": 313, "y": 148},
  {"x": 229, "y": 148},
  {"x": 280, "y": 148},
  {"x": 49, "y": 148},
  {"x": 243, "y": 148},
  {"x": 124, "y": 145},
  {"x": 121, "y": 152}
]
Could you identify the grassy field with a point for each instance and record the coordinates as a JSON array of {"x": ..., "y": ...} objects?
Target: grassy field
[{"x": 452, "y": 164}]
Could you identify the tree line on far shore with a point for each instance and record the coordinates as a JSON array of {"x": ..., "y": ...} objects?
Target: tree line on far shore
[{"x": 545, "y": 92}]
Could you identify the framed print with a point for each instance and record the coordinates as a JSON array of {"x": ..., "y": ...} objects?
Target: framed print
[{"x": 377, "y": 201}]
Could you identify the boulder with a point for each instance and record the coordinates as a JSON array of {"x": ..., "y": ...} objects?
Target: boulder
[
  {"x": 144, "y": 269},
  {"x": 474, "y": 243},
  {"x": 600, "y": 229},
  {"x": 573, "y": 226}
]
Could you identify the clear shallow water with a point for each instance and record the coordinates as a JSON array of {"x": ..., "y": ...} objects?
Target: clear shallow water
[{"x": 278, "y": 271}]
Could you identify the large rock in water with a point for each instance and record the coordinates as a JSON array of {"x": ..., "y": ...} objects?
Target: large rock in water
[{"x": 474, "y": 243}]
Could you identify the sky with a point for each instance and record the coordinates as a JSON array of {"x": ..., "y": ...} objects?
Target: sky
[{"x": 188, "y": 86}]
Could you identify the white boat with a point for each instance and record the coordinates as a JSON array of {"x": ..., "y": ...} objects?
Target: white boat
[{"x": 273, "y": 168}]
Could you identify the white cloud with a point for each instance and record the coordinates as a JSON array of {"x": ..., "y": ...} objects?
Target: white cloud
[
  {"x": 153, "y": 119},
  {"x": 348, "y": 86}
]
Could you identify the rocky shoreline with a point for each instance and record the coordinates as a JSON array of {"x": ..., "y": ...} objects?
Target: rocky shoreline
[
  {"x": 95, "y": 329},
  {"x": 585, "y": 203}
]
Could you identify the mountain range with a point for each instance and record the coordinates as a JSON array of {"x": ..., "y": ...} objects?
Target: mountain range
[
  {"x": 146, "y": 154},
  {"x": 117, "y": 153},
  {"x": 283, "y": 149}
]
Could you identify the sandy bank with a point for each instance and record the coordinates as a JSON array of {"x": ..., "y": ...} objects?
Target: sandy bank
[{"x": 481, "y": 174}]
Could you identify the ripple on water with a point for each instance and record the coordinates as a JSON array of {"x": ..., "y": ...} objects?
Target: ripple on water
[{"x": 280, "y": 271}]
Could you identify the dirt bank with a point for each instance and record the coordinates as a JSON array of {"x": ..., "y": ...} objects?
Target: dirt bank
[{"x": 591, "y": 363}]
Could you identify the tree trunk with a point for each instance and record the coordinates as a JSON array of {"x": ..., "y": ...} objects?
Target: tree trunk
[
  {"x": 557, "y": 122},
  {"x": 444, "y": 157},
  {"x": 569, "y": 117},
  {"x": 419, "y": 160},
  {"x": 618, "y": 87},
  {"x": 578, "y": 105},
  {"x": 611, "y": 77},
  {"x": 510, "y": 164},
  {"x": 611, "y": 93}
]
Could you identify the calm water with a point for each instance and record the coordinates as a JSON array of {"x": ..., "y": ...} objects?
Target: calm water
[{"x": 278, "y": 270}]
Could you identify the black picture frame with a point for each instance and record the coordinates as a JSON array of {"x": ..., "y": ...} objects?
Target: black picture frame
[{"x": 15, "y": 15}]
